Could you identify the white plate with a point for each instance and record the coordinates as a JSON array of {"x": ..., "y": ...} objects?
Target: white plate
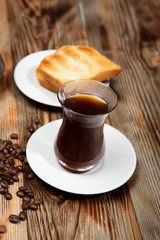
[
  {"x": 27, "y": 82},
  {"x": 118, "y": 166}
]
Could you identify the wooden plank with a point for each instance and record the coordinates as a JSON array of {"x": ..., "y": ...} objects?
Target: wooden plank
[
  {"x": 137, "y": 114},
  {"x": 118, "y": 29}
]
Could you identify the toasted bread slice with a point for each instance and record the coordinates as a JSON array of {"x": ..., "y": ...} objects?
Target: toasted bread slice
[{"x": 75, "y": 62}]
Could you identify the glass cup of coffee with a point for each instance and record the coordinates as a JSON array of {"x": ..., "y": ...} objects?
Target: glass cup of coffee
[{"x": 79, "y": 145}]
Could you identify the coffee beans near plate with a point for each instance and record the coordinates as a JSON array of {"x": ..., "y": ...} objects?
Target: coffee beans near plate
[{"x": 9, "y": 171}]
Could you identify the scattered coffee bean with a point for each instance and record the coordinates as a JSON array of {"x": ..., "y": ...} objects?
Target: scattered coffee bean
[
  {"x": 23, "y": 149},
  {"x": 1, "y": 165},
  {"x": 3, "y": 190},
  {"x": 21, "y": 158},
  {"x": 8, "y": 166},
  {"x": 20, "y": 168},
  {"x": 20, "y": 194},
  {"x": 15, "y": 146},
  {"x": 31, "y": 176},
  {"x": 31, "y": 195},
  {"x": 14, "y": 171},
  {"x": 7, "y": 155},
  {"x": 25, "y": 205},
  {"x": 37, "y": 201},
  {"x": 26, "y": 198},
  {"x": 4, "y": 183},
  {"x": 13, "y": 153},
  {"x": 14, "y": 136},
  {"x": 37, "y": 120},
  {"x": 31, "y": 129},
  {"x": 13, "y": 218},
  {"x": 11, "y": 149},
  {"x": 18, "y": 150},
  {"x": 3, "y": 229},
  {"x": 5, "y": 151},
  {"x": 32, "y": 206},
  {"x": 22, "y": 215},
  {"x": 10, "y": 182},
  {"x": 22, "y": 188},
  {"x": 11, "y": 160},
  {"x": 2, "y": 146},
  {"x": 8, "y": 196},
  {"x": 15, "y": 178},
  {"x": 9, "y": 142},
  {"x": 28, "y": 191}
]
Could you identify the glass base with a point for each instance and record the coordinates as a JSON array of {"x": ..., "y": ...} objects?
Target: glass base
[{"x": 81, "y": 170}]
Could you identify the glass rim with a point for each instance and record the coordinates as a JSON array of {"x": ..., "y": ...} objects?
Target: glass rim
[{"x": 82, "y": 114}]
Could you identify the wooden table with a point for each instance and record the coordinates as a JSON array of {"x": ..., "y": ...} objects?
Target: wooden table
[{"x": 128, "y": 32}]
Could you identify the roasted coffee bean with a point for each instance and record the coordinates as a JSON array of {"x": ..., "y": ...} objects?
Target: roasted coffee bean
[
  {"x": 8, "y": 146},
  {"x": 11, "y": 149},
  {"x": 7, "y": 155},
  {"x": 2, "y": 146},
  {"x": 25, "y": 205},
  {"x": 15, "y": 146},
  {"x": 22, "y": 215},
  {"x": 9, "y": 142},
  {"x": 10, "y": 182},
  {"x": 8, "y": 196},
  {"x": 11, "y": 160},
  {"x": 31, "y": 129},
  {"x": 22, "y": 188},
  {"x": 37, "y": 201},
  {"x": 18, "y": 150},
  {"x": 31, "y": 176},
  {"x": 26, "y": 198},
  {"x": 8, "y": 166},
  {"x": 14, "y": 171},
  {"x": 3, "y": 190},
  {"x": 32, "y": 206},
  {"x": 28, "y": 191},
  {"x": 13, "y": 153},
  {"x": 2, "y": 156},
  {"x": 30, "y": 195},
  {"x": 6, "y": 173},
  {"x": 21, "y": 158},
  {"x": 23, "y": 149},
  {"x": 20, "y": 168},
  {"x": 0, "y": 179},
  {"x": 17, "y": 155},
  {"x": 37, "y": 120},
  {"x": 3, "y": 229},
  {"x": 1, "y": 165},
  {"x": 20, "y": 194},
  {"x": 13, "y": 218},
  {"x": 4, "y": 142},
  {"x": 5, "y": 151},
  {"x": 15, "y": 178},
  {"x": 4, "y": 183},
  {"x": 14, "y": 136}
]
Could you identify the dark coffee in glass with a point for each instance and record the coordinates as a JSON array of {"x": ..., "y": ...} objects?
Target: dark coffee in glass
[{"x": 80, "y": 142}]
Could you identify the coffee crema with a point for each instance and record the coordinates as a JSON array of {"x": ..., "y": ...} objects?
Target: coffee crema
[{"x": 86, "y": 104}]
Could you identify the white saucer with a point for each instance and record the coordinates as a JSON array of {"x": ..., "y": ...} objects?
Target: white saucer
[
  {"x": 119, "y": 162},
  {"x": 26, "y": 79}
]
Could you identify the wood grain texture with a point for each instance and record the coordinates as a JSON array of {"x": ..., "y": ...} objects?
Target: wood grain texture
[{"x": 128, "y": 33}]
